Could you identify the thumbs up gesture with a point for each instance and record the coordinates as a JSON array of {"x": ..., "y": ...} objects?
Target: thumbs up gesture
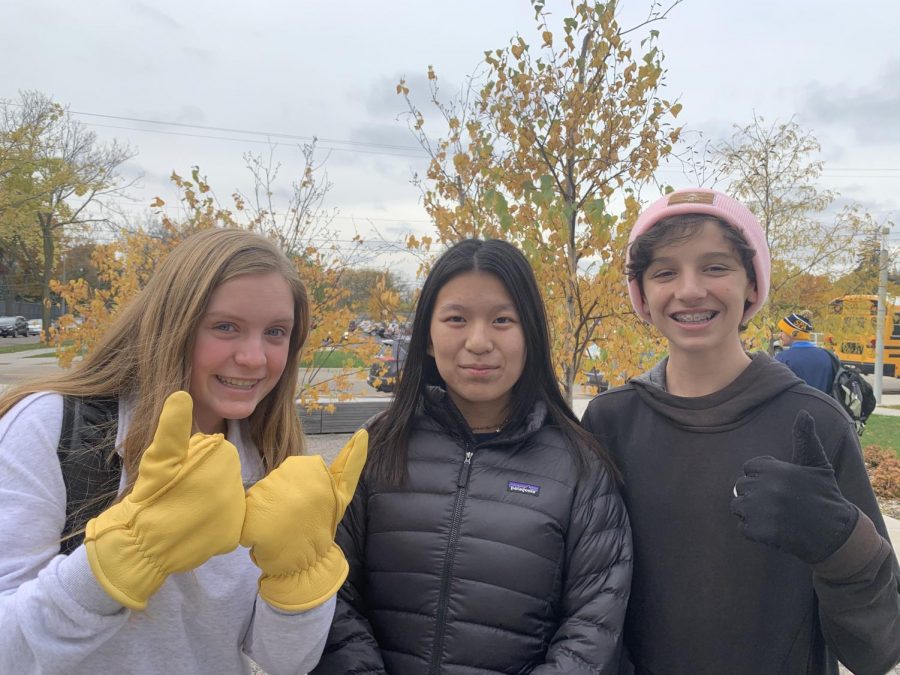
[
  {"x": 292, "y": 515},
  {"x": 797, "y": 506},
  {"x": 187, "y": 505}
]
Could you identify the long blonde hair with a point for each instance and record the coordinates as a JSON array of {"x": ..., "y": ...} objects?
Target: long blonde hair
[{"x": 146, "y": 354}]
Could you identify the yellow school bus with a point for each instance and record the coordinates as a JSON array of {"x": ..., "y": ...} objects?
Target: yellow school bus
[{"x": 851, "y": 332}]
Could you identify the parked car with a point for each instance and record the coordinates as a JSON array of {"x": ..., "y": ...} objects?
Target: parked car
[
  {"x": 597, "y": 380},
  {"x": 388, "y": 363},
  {"x": 35, "y": 326},
  {"x": 12, "y": 326}
]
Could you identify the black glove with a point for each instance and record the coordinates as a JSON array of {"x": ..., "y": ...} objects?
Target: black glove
[{"x": 796, "y": 507}]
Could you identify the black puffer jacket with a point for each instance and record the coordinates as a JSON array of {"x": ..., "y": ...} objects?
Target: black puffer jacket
[{"x": 493, "y": 558}]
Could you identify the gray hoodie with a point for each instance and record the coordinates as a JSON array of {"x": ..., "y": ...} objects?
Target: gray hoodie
[{"x": 56, "y": 618}]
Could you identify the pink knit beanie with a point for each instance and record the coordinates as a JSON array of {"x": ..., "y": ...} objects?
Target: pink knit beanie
[{"x": 713, "y": 203}]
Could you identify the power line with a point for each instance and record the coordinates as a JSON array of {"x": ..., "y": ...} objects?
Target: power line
[
  {"x": 268, "y": 134},
  {"x": 250, "y": 140},
  {"x": 403, "y": 148},
  {"x": 418, "y": 152},
  {"x": 855, "y": 168},
  {"x": 355, "y": 146}
]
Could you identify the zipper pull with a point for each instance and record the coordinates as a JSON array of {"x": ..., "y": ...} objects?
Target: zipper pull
[{"x": 464, "y": 469}]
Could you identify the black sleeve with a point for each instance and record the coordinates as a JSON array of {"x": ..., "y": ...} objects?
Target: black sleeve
[
  {"x": 858, "y": 587},
  {"x": 351, "y": 647},
  {"x": 592, "y": 421},
  {"x": 597, "y": 581}
]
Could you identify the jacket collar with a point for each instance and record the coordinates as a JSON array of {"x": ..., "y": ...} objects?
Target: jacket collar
[{"x": 437, "y": 408}]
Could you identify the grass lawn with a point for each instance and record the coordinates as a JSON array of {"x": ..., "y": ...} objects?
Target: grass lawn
[
  {"x": 883, "y": 430},
  {"x": 332, "y": 359},
  {"x": 20, "y": 347}
]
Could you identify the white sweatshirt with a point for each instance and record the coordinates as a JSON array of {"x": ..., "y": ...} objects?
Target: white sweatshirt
[{"x": 56, "y": 618}]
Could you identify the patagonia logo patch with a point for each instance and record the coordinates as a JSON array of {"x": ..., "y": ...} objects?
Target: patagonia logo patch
[{"x": 523, "y": 488}]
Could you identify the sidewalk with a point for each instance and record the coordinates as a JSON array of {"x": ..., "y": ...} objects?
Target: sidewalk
[
  {"x": 18, "y": 366},
  {"x": 886, "y": 400}
]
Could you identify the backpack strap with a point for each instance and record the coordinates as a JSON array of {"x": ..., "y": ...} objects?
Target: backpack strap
[
  {"x": 91, "y": 467},
  {"x": 835, "y": 364}
]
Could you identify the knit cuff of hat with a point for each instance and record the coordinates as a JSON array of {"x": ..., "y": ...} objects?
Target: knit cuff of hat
[{"x": 795, "y": 333}]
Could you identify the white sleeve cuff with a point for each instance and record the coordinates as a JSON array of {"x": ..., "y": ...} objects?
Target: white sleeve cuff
[{"x": 78, "y": 581}]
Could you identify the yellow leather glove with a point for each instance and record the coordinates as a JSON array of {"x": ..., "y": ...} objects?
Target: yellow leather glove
[
  {"x": 292, "y": 515},
  {"x": 187, "y": 505}
]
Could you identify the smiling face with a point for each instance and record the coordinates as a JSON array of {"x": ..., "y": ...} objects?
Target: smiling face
[
  {"x": 241, "y": 348},
  {"x": 695, "y": 291},
  {"x": 478, "y": 345}
]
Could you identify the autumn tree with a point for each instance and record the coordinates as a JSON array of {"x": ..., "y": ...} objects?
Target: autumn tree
[
  {"x": 20, "y": 247},
  {"x": 838, "y": 325},
  {"x": 549, "y": 148},
  {"x": 76, "y": 262},
  {"x": 121, "y": 270},
  {"x": 774, "y": 170},
  {"x": 303, "y": 228},
  {"x": 862, "y": 278},
  {"x": 304, "y": 218},
  {"x": 362, "y": 282},
  {"x": 125, "y": 266},
  {"x": 58, "y": 181},
  {"x": 20, "y": 267}
]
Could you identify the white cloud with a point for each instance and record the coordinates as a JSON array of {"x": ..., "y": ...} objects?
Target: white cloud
[
  {"x": 870, "y": 109},
  {"x": 330, "y": 70}
]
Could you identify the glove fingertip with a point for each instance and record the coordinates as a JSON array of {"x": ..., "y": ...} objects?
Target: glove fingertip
[
  {"x": 803, "y": 417},
  {"x": 352, "y": 456},
  {"x": 173, "y": 430}
]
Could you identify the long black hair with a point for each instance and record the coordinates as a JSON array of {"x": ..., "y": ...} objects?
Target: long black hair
[{"x": 389, "y": 434}]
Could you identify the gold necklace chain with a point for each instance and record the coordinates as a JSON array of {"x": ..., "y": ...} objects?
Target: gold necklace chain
[{"x": 495, "y": 428}]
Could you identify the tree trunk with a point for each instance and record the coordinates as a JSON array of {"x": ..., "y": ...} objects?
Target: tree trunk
[
  {"x": 46, "y": 222},
  {"x": 7, "y": 293},
  {"x": 571, "y": 285},
  {"x": 569, "y": 383}
]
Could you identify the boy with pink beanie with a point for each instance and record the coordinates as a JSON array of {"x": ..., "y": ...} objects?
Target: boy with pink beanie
[{"x": 759, "y": 546}]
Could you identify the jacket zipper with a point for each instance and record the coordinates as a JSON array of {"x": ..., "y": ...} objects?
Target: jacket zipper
[{"x": 462, "y": 484}]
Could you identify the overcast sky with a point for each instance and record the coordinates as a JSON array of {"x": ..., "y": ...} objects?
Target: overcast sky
[{"x": 329, "y": 69}]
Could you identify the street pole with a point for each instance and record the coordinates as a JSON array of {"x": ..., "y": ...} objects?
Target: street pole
[
  {"x": 879, "y": 322},
  {"x": 64, "y": 281}
]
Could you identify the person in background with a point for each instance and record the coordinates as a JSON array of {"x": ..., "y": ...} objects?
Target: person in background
[
  {"x": 810, "y": 363},
  {"x": 197, "y": 377},
  {"x": 487, "y": 534},
  {"x": 759, "y": 546}
]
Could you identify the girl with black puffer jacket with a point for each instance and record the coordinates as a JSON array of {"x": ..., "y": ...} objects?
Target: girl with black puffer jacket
[{"x": 487, "y": 534}]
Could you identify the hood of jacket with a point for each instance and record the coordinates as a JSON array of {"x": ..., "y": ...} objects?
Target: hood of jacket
[{"x": 738, "y": 402}]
